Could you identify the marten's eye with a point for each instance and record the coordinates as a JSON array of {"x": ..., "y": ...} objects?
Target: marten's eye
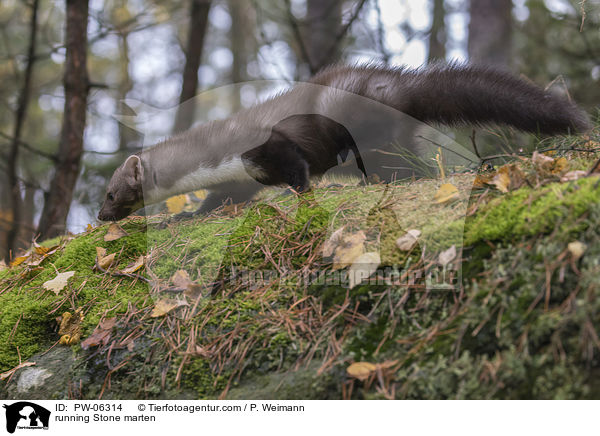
[{"x": 110, "y": 197}]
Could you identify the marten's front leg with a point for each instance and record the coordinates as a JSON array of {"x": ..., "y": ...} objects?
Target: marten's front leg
[{"x": 278, "y": 162}]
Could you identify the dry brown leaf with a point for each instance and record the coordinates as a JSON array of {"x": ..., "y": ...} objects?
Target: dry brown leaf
[
  {"x": 114, "y": 232},
  {"x": 134, "y": 266},
  {"x": 351, "y": 247},
  {"x": 481, "y": 180},
  {"x": 501, "y": 181},
  {"x": 361, "y": 370},
  {"x": 59, "y": 282},
  {"x": 363, "y": 267},
  {"x": 162, "y": 307},
  {"x": 193, "y": 291},
  {"x": 181, "y": 279},
  {"x": 101, "y": 334},
  {"x": 408, "y": 240},
  {"x": 447, "y": 193}
]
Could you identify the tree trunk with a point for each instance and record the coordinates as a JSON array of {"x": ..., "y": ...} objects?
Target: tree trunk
[
  {"x": 437, "y": 35},
  {"x": 13, "y": 156},
  {"x": 323, "y": 29},
  {"x": 76, "y": 84},
  {"x": 197, "y": 30},
  {"x": 490, "y": 31},
  {"x": 241, "y": 42}
]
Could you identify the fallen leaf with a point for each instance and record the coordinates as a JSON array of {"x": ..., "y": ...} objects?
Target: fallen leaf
[
  {"x": 181, "y": 279},
  {"x": 193, "y": 291},
  {"x": 501, "y": 181},
  {"x": 351, "y": 247},
  {"x": 559, "y": 165},
  {"x": 89, "y": 228},
  {"x": 134, "y": 266},
  {"x": 114, "y": 232},
  {"x": 58, "y": 283},
  {"x": 361, "y": 370},
  {"x": 103, "y": 260},
  {"x": 447, "y": 193},
  {"x": 334, "y": 240},
  {"x": 447, "y": 256},
  {"x": 101, "y": 334},
  {"x": 70, "y": 327},
  {"x": 409, "y": 240},
  {"x": 541, "y": 159},
  {"x": 177, "y": 203},
  {"x": 481, "y": 180},
  {"x": 577, "y": 249},
  {"x": 573, "y": 175},
  {"x": 18, "y": 260},
  {"x": 363, "y": 267},
  {"x": 162, "y": 307}
]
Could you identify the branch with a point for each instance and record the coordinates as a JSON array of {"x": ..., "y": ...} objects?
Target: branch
[
  {"x": 298, "y": 35},
  {"x": 30, "y": 148}
]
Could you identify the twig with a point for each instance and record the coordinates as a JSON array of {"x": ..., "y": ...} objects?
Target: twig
[{"x": 121, "y": 274}]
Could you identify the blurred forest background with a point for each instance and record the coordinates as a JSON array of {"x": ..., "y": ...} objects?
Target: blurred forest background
[{"x": 65, "y": 67}]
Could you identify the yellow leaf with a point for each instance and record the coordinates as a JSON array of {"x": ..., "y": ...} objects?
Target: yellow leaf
[
  {"x": 103, "y": 260},
  {"x": 447, "y": 192},
  {"x": 114, "y": 232},
  {"x": 559, "y": 165},
  {"x": 361, "y": 370},
  {"x": 134, "y": 266},
  {"x": 351, "y": 247},
  {"x": 89, "y": 228},
  {"x": 58, "y": 283},
  {"x": 177, "y": 203},
  {"x": 18, "y": 261},
  {"x": 162, "y": 307}
]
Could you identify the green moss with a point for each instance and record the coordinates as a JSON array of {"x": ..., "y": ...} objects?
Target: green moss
[{"x": 525, "y": 212}]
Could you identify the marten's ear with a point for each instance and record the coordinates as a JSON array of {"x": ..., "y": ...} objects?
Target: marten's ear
[{"x": 133, "y": 168}]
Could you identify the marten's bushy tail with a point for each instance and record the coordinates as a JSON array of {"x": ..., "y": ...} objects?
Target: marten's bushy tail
[{"x": 457, "y": 95}]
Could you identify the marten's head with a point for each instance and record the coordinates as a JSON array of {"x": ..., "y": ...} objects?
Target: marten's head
[{"x": 124, "y": 194}]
